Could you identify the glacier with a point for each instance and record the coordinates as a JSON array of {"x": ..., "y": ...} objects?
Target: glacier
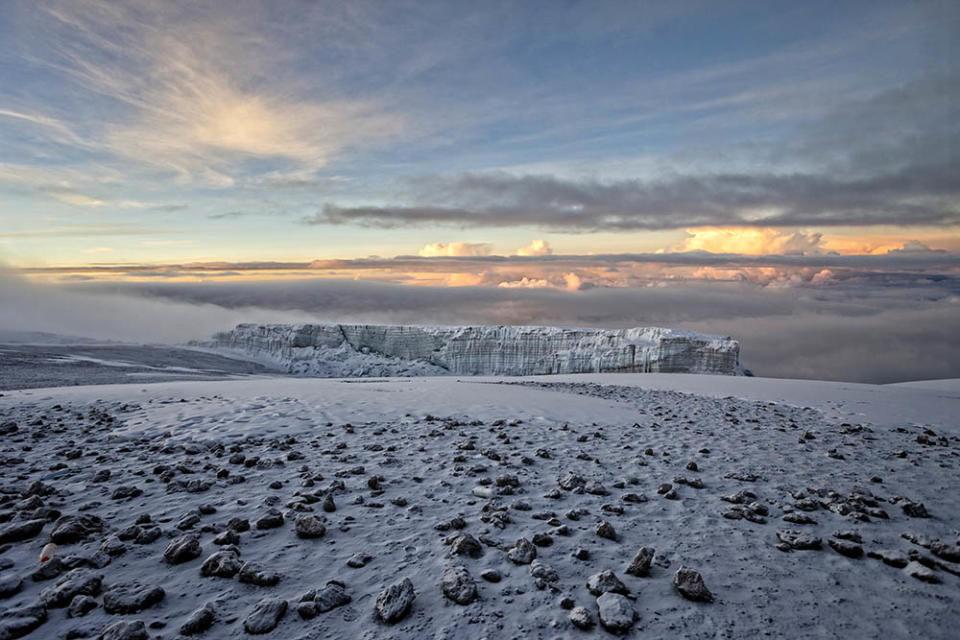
[{"x": 365, "y": 350}]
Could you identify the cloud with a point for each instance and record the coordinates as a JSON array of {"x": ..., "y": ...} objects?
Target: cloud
[
  {"x": 536, "y": 248},
  {"x": 178, "y": 98},
  {"x": 452, "y": 249},
  {"x": 751, "y": 241},
  {"x": 860, "y": 330},
  {"x": 917, "y": 195}
]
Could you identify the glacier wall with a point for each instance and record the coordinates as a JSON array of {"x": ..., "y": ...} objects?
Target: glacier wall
[{"x": 348, "y": 350}]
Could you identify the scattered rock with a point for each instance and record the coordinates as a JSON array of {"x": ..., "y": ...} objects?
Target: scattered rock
[
  {"x": 76, "y": 582},
  {"x": 131, "y": 598},
  {"x": 222, "y": 564},
  {"x": 252, "y": 573},
  {"x": 394, "y": 602},
  {"x": 581, "y": 618},
  {"x": 605, "y": 582},
  {"x": 80, "y": 606},
  {"x": 640, "y": 565},
  {"x": 309, "y": 527},
  {"x": 265, "y": 616},
  {"x": 458, "y": 585},
  {"x": 18, "y": 622},
  {"x": 616, "y": 613},
  {"x": 124, "y": 630},
  {"x": 522, "y": 552},
  {"x": 182, "y": 549},
  {"x": 199, "y": 621},
  {"x": 605, "y": 530},
  {"x": 690, "y": 585}
]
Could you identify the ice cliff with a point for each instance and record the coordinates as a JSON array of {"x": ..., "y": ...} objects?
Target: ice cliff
[{"x": 347, "y": 350}]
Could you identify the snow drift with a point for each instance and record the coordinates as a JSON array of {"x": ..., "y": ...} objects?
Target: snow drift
[{"x": 344, "y": 350}]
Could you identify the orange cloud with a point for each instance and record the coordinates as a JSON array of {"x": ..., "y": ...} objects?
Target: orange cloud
[
  {"x": 536, "y": 248},
  {"x": 454, "y": 249},
  {"x": 751, "y": 241}
]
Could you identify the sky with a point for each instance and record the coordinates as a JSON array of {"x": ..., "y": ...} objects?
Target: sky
[{"x": 553, "y": 162}]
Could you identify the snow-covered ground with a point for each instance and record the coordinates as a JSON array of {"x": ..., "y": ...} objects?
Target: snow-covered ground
[{"x": 546, "y": 459}]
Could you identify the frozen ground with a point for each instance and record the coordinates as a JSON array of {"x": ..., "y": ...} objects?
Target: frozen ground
[
  {"x": 25, "y": 366},
  {"x": 402, "y": 459}
]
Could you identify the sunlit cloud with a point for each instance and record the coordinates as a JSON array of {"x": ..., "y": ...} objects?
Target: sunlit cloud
[
  {"x": 750, "y": 241},
  {"x": 536, "y": 248},
  {"x": 453, "y": 249}
]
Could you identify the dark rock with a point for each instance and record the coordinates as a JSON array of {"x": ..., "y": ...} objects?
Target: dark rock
[
  {"x": 522, "y": 552},
  {"x": 265, "y": 616},
  {"x": 252, "y": 573},
  {"x": 18, "y": 622},
  {"x": 846, "y": 548},
  {"x": 222, "y": 564},
  {"x": 309, "y": 527},
  {"x": 199, "y": 621},
  {"x": 640, "y": 565},
  {"x": 124, "y": 630},
  {"x": 10, "y": 585},
  {"x": 690, "y": 585},
  {"x": 395, "y": 601},
  {"x": 458, "y": 585},
  {"x": 20, "y": 531},
  {"x": 80, "y": 606},
  {"x": 605, "y": 530},
  {"x": 270, "y": 520},
  {"x": 330, "y": 597},
  {"x": 491, "y": 575},
  {"x": 183, "y": 549},
  {"x": 131, "y": 598},
  {"x": 66, "y": 588},
  {"x": 73, "y": 529},
  {"x": 465, "y": 544}
]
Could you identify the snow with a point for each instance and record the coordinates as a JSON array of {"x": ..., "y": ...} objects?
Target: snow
[{"x": 410, "y": 431}]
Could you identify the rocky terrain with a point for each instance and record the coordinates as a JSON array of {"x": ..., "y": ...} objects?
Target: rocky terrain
[
  {"x": 344, "y": 350},
  {"x": 480, "y": 508}
]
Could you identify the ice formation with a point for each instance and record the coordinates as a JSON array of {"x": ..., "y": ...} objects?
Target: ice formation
[{"x": 346, "y": 350}]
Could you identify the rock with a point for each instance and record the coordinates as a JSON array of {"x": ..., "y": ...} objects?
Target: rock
[
  {"x": 890, "y": 557},
  {"x": 147, "y": 535},
  {"x": 113, "y": 547},
  {"x": 222, "y": 564},
  {"x": 581, "y": 618},
  {"x": 920, "y": 572},
  {"x": 522, "y": 552},
  {"x": 229, "y": 536},
  {"x": 358, "y": 560},
  {"x": 846, "y": 548},
  {"x": 543, "y": 574},
  {"x": 458, "y": 585},
  {"x": 265, "y": 616},
  {"x": 270, "y": 520},
  {"x": 799, "y": 540},
  {"x": 10, "y": 585},
  {"x": 238, "y": 525},
  {"x": 48, "y": 570},
  {"x": 123, "y": 630},
  {"x": 915, "y": 509},
  {"x": 605, "y": 582},
  {"x": 581, "y": 554},
  {"x": 571, "y": 481},
  {"x": 20, "y": 531},
  {"x": 616, "y": 613},
  {"x": 123, "y": 492},
  {"x": 542, "y": 540},
  {"x": 605, "y": 530},
  {"x": 945, "y": 550},
  {"x": 328, "y": 504},
  {"x": 18, "y": 622},
  {"x": 640, "y": 565},
  {"x": 183, "y": 549},
  {"x": 465, "y": 544},
  {"x": 491, "y": 575},
  {"x": 690, "y": 585},
  {"x": 67, "y": 587},
  {"x": 80, "y": 606},
  {"x": 131, "y": 598},
  {"x": 199, "y": 621},
  {"x": 309, "y": 527},
  {"x": 394, "y": 602},
  {"x": 330, "y": 597},
  {"x": 252, "y": 573}
]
